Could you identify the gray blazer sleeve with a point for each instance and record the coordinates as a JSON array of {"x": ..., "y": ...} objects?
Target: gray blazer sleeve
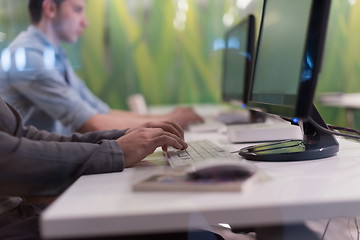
[{"x": 38, "y": 163}]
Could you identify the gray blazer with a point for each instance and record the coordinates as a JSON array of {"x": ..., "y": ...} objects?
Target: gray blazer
[{"x": 39, "y": 163}]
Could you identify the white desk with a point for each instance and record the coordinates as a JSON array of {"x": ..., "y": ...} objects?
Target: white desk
[
  {"x": 295, "y": 191},
  {"x": 203, "y": 109}
]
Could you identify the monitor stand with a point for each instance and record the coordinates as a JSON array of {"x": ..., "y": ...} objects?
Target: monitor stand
[{"x": 315, "y": 144}]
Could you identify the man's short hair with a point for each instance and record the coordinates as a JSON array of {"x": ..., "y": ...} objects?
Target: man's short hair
[{"x": 35, "y": 9}]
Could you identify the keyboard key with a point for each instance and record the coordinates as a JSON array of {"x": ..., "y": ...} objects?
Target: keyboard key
[{"x": 197, "y": 151}]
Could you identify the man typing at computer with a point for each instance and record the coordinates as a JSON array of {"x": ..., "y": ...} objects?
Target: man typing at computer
[{"x": 36, "y": 163}]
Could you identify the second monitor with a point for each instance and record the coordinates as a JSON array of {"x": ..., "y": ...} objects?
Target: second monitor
[
  {"x": 237, "y": 61},
  {"x": 237, "y": 67}
]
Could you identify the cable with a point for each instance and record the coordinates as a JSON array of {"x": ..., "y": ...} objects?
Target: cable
[
  {"x": 343, "y": 129},
  {"x": 321, "y": 128},
  {"x": 350, "y": 230},
  {"x": 326, "y": 228},
  {"x": 331, "y": 128},
  {"x": 357, "y": 228}
]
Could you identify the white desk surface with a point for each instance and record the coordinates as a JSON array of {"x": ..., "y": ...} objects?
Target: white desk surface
[
  {"x": 203, "y": 109},
  {"x": 294, "y": 191},
  {"x": 346, "y": 100}
]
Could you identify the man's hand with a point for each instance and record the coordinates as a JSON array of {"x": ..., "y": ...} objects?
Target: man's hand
[
  {"x": 167, "y": 126},
  {"x": 140, "y": 142},
  {"x": 185, "y": 116}
]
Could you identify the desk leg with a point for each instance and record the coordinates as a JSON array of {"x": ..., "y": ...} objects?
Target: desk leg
[{"x": 286, "y": 232}]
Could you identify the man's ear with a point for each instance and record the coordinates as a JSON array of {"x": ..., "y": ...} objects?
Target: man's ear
[{"x": 49, "y": 9}]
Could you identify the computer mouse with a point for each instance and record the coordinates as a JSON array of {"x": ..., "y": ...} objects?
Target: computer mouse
[{"x": 224, "y": 170}]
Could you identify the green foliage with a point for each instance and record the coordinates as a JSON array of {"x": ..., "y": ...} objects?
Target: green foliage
[
  {"x": 13, "y": 19},
  {"x": 142, "y": 52},
  {"x": 341, "y": 66}
]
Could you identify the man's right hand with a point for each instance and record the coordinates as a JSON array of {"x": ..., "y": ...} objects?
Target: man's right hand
[{"x": 140, "y": 142}]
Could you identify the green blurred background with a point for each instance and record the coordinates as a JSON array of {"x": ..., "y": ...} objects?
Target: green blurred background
[{"x": 168, "y": 50}]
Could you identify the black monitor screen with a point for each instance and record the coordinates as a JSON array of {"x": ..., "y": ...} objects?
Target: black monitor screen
[
  {"x": 285, "y": 57},
  {"x": 237, "y": 60},
  {"x": 291, "y": 42}
]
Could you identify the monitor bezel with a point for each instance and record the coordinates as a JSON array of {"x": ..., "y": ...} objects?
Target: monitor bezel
[
  {"x": 319, "y": 14},
  {"x": 250, "y": 21}
]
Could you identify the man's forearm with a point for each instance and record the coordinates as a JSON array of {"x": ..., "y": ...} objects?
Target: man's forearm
[
  {"x": 47, "y": 168},
  {"x": 90, "y": 137},
  {"x": 116, "y": 120}
]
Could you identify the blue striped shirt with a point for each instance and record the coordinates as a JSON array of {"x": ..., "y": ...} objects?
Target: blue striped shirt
[{"x": 39, "y": 81}]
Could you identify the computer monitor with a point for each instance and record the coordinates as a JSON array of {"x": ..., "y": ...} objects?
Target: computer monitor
[
  {"x": 237, "y": 61},
  {"x": 286, "y": 68}
]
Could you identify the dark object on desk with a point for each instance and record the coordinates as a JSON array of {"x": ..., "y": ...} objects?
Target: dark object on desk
[
  {"x": 221, "y": 171},
  {"x": 219, "y": 177},
  {"x": 186, "y": 235}
]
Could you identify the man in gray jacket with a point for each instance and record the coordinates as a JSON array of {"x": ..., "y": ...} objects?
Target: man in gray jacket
[{"x": 37, "y": 163}]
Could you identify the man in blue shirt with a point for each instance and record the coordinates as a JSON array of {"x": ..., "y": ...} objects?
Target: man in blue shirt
[{"x": 42, "y": 85}]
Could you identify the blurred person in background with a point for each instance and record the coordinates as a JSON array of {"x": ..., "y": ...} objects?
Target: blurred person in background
[{"x": 46, "y": 90}]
